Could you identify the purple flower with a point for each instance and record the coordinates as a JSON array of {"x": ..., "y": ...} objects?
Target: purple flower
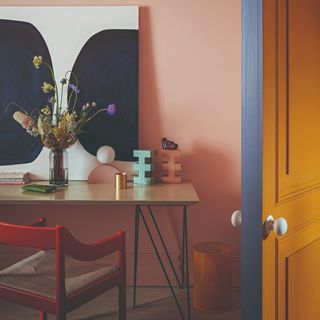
[
  {"x": 74, "y": 87},
  {"x": 111, "y": 109}
]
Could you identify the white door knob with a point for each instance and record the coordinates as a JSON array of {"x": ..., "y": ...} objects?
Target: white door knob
[
  {"x": 236, "y": 219},
  {"x": 279, "y": 226}
]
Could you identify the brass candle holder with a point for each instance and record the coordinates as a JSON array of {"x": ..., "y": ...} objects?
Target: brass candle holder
[{"x": 120, "y": 180}]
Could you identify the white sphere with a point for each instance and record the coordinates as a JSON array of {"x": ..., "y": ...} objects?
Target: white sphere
[{"x": 105, "y": 154}]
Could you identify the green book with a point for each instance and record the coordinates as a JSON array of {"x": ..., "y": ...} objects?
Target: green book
[{"x": 40, "y": 188}]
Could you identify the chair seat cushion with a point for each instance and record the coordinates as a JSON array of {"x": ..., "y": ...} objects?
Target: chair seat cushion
[{"x": 37, "y": 274}]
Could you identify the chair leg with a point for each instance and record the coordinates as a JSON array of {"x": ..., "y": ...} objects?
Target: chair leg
[
  {"x": 122, "y": 302},
  {"x": 43, "y": 315}
]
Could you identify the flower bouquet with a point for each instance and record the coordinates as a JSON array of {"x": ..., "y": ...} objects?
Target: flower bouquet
[{"x": 58, "y": 126}]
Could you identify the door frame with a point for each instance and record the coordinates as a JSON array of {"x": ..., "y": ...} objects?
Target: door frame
[{"x": 251, "y": 150}]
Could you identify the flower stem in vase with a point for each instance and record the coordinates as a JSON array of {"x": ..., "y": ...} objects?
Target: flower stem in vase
[{"x": 58, "y": 174}]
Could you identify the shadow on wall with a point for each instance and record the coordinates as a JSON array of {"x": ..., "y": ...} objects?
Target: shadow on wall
[
  {"x": 213, "y": 175},
  {"x": 149, "y": 117}
]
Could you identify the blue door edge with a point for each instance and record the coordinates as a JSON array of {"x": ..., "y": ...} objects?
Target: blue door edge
[{"x": 251, "y": 158}]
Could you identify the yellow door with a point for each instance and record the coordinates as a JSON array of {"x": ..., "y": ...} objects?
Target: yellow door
[{"x": 291, "y": 158}]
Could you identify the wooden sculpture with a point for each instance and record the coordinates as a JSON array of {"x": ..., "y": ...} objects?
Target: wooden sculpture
[{"x": 171, "y": 166}]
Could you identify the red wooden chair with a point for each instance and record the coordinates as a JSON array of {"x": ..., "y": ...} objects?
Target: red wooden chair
[{"x": 65, "y": 273}]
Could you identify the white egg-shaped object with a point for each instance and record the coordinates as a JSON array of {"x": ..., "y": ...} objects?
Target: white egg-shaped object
[{"x": 105, "y": 154}]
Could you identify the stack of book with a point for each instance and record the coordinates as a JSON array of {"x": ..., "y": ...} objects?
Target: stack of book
[{"x": 14, "y": 177}]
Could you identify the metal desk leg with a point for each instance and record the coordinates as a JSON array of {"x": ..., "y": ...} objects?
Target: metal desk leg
[
  {"x": 183, "y": 252},
  {"x": 136, "y": 249},
  {"x": 185, "y": 224},
  {"x": 164, "y": 246},
  {"x": 161, "y": 263}
]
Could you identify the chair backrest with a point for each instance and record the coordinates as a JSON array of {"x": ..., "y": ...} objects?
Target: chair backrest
[
  {"x": 96, "y": 250},
  {"x": 40, "y": 237},
  {"x": 27, "y": 236}
]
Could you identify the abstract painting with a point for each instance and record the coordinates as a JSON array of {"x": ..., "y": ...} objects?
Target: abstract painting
[{"x": 100, "y": 45}]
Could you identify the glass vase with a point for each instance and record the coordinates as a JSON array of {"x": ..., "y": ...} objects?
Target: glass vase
[{"x": 58, "y": 167}]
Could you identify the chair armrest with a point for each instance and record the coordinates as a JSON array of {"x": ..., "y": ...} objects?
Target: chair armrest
[{"x": 96, "y": 250}]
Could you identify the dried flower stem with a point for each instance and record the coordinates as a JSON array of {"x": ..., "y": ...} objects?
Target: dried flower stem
[
  {"x": 72, "y": 74},
  {"x": 17, "y": 105},
  {"x": 55, "y": 90}
]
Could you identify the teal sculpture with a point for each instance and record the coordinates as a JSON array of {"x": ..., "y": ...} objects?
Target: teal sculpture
[{"x": 145, "y": 166}]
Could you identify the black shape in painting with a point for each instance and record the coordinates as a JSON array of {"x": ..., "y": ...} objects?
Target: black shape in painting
[
  {"x": 19, "y": 83},
  {"x": 107, "y": 69}
]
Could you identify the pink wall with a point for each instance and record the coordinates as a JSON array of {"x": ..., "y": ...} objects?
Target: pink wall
[{"x": 189, "y": 92}]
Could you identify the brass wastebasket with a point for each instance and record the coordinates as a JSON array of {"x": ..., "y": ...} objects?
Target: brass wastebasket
[{"x": 212, "y": 290}]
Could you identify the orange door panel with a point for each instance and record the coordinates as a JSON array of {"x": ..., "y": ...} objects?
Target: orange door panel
[{"x": 291, "y": 158}]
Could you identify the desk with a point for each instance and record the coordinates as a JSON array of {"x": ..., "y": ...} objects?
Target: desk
[{"x": 143, "y": 198}]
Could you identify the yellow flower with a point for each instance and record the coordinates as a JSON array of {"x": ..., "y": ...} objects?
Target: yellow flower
[
  {"x": 63, "y": 121},
  {"x": 46, "y": 110},
  {"x": 47, "y": 87},
  {"x": 59, "y": 133},
  {"x": 40, "y": 126},
  {"x": 37, "y": 61},
  {"x": 71, "y": 117}
]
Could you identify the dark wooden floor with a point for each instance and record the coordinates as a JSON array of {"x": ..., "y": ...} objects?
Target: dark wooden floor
[{"x": 154, "y": 304}]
